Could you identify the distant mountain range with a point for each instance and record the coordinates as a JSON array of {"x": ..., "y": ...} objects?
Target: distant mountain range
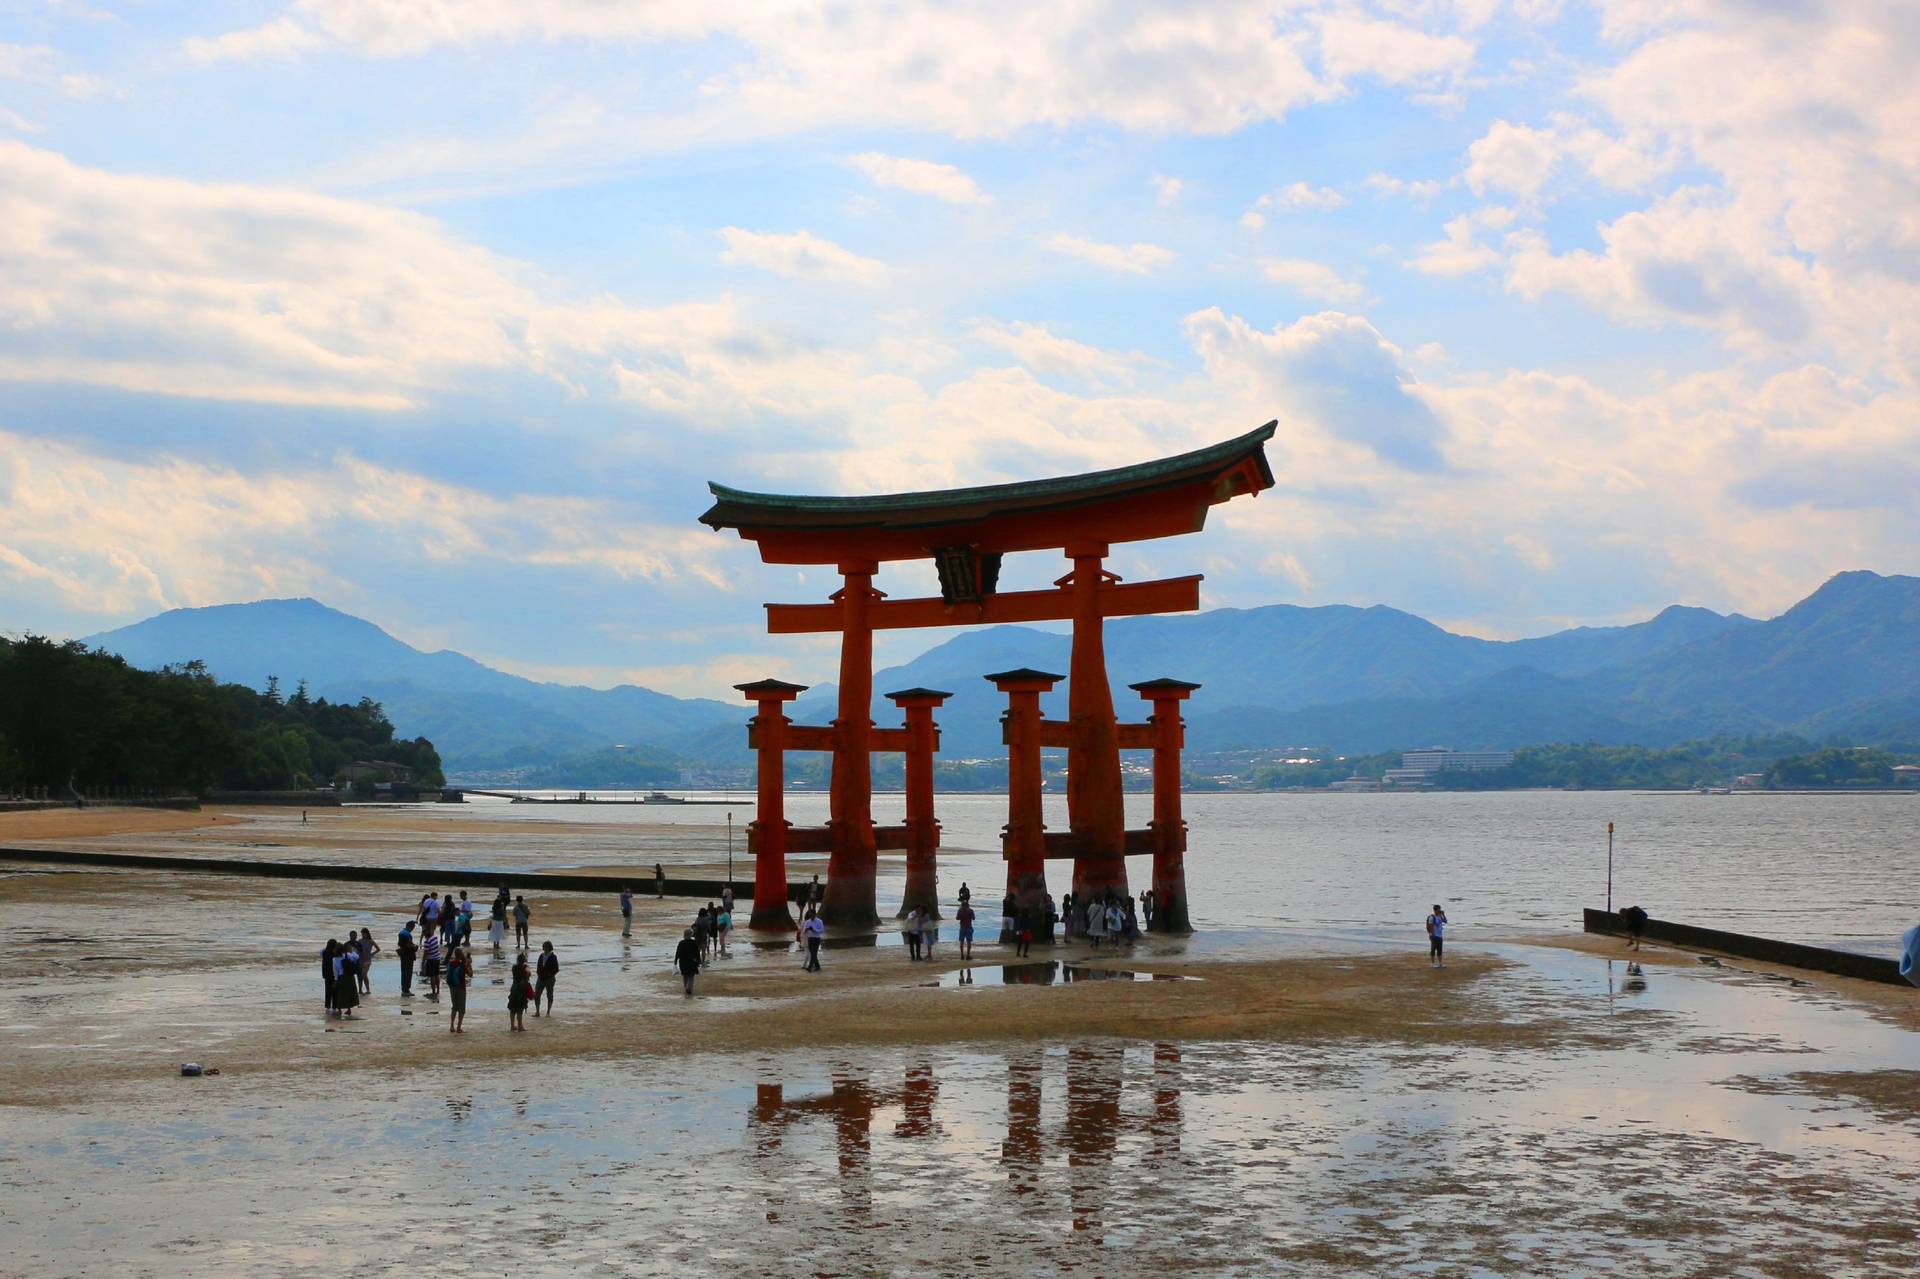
[
  {"x": 470, "y": 711},
  {"x": 1845, "y": 661}
]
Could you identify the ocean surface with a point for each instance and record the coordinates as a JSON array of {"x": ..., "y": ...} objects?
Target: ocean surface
[{"x": 1831, "y": 870}]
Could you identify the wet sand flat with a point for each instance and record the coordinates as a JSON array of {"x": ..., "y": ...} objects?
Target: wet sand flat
[{"x": 1307, "y": 1106}]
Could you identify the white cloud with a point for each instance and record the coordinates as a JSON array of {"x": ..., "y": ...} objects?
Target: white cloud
[
  {"x": 798, "y": 255},
  {"x": 1299, "y": 195},
  {"x": 1334, "y": 371},
  {"x": 1162, "y": 65},
  {"x": 1807, "y": 228},
  {"x": 1166, "y": 189},
  {"x": 1462, "y": 252},
  {"x": 1518, "y": 158},
  {"x": 925, "y": 177},
  {"x": 233, "y": 292},
  {"x": 1420, "y": 191},
  {"x": 1138, "y": 259},
  {"x": 1512, "y": 158},
  {"x": 1035, "y": 346},
  {"x": 1311, "y": 279},
  {"x": 107, "y": 537},
  {"x": 282, "y": 38}
]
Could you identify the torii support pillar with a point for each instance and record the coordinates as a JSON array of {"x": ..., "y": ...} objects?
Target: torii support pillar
[
  {"x": 1095, "y": 800},
  {"x": 852, "y": 865},
  {"x": 1169, "y": 827},
  {"x": 1025, "y": 840},
  {"x": 767, "y": 835},
  {"x": 923, "y": 831}
]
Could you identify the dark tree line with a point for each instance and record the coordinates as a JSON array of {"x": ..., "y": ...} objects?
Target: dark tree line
[{"x": 73, "y": 715}]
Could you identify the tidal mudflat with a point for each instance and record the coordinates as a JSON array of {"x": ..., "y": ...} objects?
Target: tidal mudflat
[{"x": 1316, "y": 1103}]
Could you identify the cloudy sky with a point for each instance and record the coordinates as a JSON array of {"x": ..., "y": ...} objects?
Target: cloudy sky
[{"x": 443, "y": 311}]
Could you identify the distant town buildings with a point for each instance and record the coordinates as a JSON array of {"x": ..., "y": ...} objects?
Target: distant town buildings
[{"x": 1417, "y": 768}]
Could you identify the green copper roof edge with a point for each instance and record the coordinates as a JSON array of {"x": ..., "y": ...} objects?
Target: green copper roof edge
[{"x": 1063, "y": 486}]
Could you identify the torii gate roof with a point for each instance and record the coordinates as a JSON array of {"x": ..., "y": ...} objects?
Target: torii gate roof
[{"x": 1152, "y": 499}]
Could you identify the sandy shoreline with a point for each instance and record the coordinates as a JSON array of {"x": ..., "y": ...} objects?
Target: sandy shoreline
[{"x": 98, "y": 932}]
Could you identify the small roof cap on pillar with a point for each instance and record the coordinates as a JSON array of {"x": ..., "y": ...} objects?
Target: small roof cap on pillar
[
  {"x": 1163, "y": 687},
  {"x": 767, "y": 690},
  {"x": 917, "y": 692},
  {"x": 1025, "y": 674}
]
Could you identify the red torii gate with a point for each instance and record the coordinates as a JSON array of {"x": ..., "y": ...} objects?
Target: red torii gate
[{"x": 966, "y": 532}]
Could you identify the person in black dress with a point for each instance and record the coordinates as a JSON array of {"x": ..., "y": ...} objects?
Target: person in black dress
[
  {"x": 346, "y": 981},
  {"x": 326, "y": 971},
  {"x": 519, "y": 985}
]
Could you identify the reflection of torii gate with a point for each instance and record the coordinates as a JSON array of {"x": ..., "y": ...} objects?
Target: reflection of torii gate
[{"x": 966, "y": 532}]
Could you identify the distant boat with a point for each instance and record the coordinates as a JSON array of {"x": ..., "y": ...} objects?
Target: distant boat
[{"x": 661, "y": 797}]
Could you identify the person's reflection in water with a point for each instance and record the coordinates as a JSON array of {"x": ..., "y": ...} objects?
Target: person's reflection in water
[
  {"x": 1164, "y": 1127},
  {"x": 1094, "y": 1075}
]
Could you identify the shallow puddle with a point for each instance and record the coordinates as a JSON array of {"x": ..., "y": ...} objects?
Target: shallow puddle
[{"x": 1043, "y": 972}]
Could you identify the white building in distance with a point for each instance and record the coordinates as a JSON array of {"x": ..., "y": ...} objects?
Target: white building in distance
[{"x": 1417, "y": 768}]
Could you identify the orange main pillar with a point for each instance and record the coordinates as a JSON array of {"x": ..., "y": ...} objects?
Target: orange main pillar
[
  {"x": 850, "y": 869},
  {"x": 1025, "y": 840},
  {"x": 1169, "y": 826},
  {"x": 1095, "y": 801},
  {"x": 767, "y": 835},
  {"x": 923, "y": 839}
]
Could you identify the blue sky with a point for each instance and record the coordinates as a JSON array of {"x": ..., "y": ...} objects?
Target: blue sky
[{"x": 443, "y": 311}]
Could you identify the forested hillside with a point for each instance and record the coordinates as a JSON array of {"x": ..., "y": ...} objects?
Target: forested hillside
[{"x": 70, "y": 715}]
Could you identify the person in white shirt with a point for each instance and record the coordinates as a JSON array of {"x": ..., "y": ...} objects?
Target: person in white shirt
[{"x": 814, "y": 929}]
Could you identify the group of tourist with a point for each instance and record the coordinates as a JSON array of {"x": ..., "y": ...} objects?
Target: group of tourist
[
  {"x": 1111, "y": 916},
  {"x": 709, "y": 937},
  {"x": 436, "y": 938}
]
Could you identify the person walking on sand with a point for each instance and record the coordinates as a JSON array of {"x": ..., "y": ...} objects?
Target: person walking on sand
[
  {"x": 626, "y": 910},
  {"x": 929, "y": 931},
  {"x": 405, "y": 947},
  {"x": 522, "y": 915},
  {"x": 430, "y": 953},
  {"x": 519, "y": 987},
  {"x": 1096, "y": 923},
  {"x": 1636, "y": 924},
  {"x": 814, "y": 892},
  {"x": 459, "y": 977},
  {"x": 686, "y": 959},
  {"x": 964, "y": 918},
  {"x": 910, "y": 934},
  {"x": 814, "y": 929},
  {"x": 1009, "y": 916},
  {"x": 723, "y": 925},
  {"x": 1023, "y": 932},
  {"x": 326, "y": 972},
  {"x": 497, "y": 920},
  {"x": 659, "y": 882},
  {"x": 1437, "y": 937},
  {"x": 702, "y": 930},
  {"x": 546, "y": 971}
]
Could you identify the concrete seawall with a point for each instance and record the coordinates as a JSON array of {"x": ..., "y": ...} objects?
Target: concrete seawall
[
  {"x": 1818, "y": 959},
  {"x": 641, "y": 881}
]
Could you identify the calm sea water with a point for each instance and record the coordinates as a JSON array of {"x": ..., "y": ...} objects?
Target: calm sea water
[{"x": 1839, "y": 870}]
